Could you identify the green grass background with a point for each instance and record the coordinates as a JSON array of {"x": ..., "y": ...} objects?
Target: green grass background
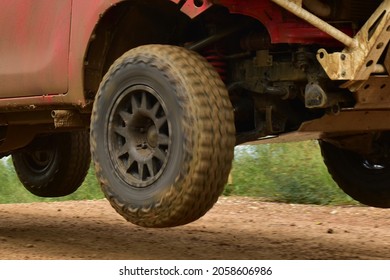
[{"x": 290, "y": 173}]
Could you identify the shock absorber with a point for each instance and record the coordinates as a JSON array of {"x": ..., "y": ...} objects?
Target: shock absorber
[{"x": 218, "y": 62}]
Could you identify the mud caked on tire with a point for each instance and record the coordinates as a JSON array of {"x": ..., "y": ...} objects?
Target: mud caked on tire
[
  {"x": 54, "y": 165},
  {"x": 361, "y": 179},
  {"x": 162, "y": 136}
]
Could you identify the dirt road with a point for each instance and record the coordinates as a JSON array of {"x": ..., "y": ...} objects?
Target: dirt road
[{"x": 236, "y": 228}]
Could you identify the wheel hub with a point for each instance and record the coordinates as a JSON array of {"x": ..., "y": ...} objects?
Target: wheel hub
[{"x": 152, "y": 137}]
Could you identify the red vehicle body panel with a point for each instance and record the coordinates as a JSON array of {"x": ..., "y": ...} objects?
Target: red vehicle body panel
[
  {"x": 49, "y": 42},
  {"x": 34, "y": 47}
]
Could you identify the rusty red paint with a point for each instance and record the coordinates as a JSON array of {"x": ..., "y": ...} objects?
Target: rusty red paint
[
  {"x": 193, "y": 9},
  {"x": 48, "y": 98},
  {"x": 282, "y": 26}
]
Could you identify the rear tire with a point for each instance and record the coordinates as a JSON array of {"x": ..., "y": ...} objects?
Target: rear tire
[
  {"x": 54, "y": 165},
  {"x": 162, "y": 136},
  {"x": 365, "y": 182}
]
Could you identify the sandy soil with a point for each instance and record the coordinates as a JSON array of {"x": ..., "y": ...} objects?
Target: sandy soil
[{"x": 236, "y": 228}]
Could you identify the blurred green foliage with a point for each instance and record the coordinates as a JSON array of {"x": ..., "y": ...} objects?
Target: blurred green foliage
[
  {"x": 12, "y": 191},
  {"x": 291, "y": 173}
]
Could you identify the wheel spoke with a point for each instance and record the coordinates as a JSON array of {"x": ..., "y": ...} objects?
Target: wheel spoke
[
  {"x": 126, "y": 117},
  {"x": 160, "y": 122},
  {"x": 163, "y": 140},
  {"x": 160, "y": 155},
  {"x": 122, "y": 131},
  {"x": 144, "y": 101},
  {"x": 150, "y": 167},
  {"x": 123, "y": 150},
  {"x": 141, "y": 171},
  {"x": 155, "y": 109},
  {"x": 134, "y": 104},
  {"x": 130, "y": 163}
]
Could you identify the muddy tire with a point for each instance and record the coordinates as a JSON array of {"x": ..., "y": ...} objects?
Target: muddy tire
[
  {"x": 365, "y": 182},
  {"x": 54, "y": 165},
  {"x": 162, "y": 136}
]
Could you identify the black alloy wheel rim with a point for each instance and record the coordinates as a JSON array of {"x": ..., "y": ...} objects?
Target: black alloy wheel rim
[
  {"x": 40, "y": 160},
  {"x": 139, "y": 136}
]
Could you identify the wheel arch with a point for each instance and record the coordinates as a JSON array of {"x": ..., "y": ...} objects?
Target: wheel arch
[{"x": 112, "y": 34}]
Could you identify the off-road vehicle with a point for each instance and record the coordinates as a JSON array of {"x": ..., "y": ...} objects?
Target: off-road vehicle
[{"x": 159, "y": 92}]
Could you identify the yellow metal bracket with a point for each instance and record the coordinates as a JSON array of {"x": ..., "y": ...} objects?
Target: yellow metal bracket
[{"x": 359, "y": 59}]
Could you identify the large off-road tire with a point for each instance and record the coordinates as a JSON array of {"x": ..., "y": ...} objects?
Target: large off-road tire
[
  {"x": 162, "y": 136},
  {"x": 364, "y": 181},
  {"x": 54, "y": 165}
]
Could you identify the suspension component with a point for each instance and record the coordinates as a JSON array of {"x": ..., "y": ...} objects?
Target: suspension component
[{"x": 218, "y": 62}]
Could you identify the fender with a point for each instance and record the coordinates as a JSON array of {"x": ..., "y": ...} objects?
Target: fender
[{"x": 85, "y": 16}]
